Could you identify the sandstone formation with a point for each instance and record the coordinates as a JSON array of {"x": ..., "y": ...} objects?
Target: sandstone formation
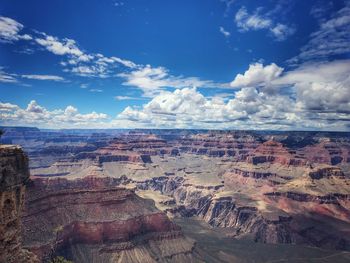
[
  {"x": 14, "y": 174},
  {"x": 268, "y": 187},
  {"x": 97, "y": 221},
  {"x": 274, "y": 152}
]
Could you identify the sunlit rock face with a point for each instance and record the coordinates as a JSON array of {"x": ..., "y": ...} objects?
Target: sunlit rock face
[
  {"x": 274, "y": 152},
  {"x": 267, "y": 187},
  {"x": 14, "y": 173},
  {"x": 94, "y": 220}
]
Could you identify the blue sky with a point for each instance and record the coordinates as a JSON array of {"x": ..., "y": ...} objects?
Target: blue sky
[{"x": 276, "y": 64}]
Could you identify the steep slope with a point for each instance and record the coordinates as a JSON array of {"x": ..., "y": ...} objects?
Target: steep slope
[
  {"x": 13, "y": 175},
  {"x": 269, "y": 187},
  {"x": 96, "y": 221}
]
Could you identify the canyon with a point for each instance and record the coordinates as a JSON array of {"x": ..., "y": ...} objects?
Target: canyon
[{"x": 130, "y": 195}]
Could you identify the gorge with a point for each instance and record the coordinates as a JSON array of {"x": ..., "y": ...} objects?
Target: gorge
[{"x": 130, "y": 195}]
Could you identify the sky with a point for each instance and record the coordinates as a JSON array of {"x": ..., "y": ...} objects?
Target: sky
[{"x": 203, "y": 64}]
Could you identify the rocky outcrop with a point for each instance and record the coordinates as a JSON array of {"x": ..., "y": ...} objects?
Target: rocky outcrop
[
  {"x": 134, "y": 158},
  {"x": 226, "y": 212},
  {"x": 332, "y": 198},
  {"x": 272, "y": 178},
  {"x": 250, "y": 174},
  {"x": 217, "y": 144},
  {"x": 328, "y": 151},
  {"x": 113, "y": 222},
  {"x": 14, "y": 174},
  {"x": 274, "y": 152},
  {"x": 326, "y": 172},
  {"x": 247, "y": 220}
]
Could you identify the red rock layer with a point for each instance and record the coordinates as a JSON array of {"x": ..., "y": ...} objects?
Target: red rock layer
[
  {"x": 55, "y": 219},
  {"x": 328, "y": 152},
  {"x": 274, "y": 152}
]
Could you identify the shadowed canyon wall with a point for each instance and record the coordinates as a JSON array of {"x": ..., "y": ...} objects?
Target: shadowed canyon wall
[{"x": 14, "y": 174}]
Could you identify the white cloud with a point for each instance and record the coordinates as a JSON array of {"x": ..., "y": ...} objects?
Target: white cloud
[
  {"x": 43, "y": 77},
  {"x": 320, "y": 10},
  {"x": 256, "y": 75},
  {"x": 118, "y": 4},
  {"x": 34, "y": 107},
  {"x": 96, "y": 90},
  {"x": 246, "y": 22},
  {"x": 316, "y": 98},
  {"x": 224, "y": 32},
  {"x": 90, "y": 71},
  {"x": 60, "y": 47},
  {"x": 149, "y": 79},
  {"x": 228, "y": 4},
  {"x": 152, "y": 80},
  {"x": 128, "y": 98},
  {"x": 9, "y": 30},
  {"x": 281, "y": 31},
  {"x": 312, "y": 96},
  {"x": 76, "y": 60},
  {"x": 6, "y": 77},
  {"x": 332, "y": 38},
  {"x": 34, "y": 114},
  {"x": 320, "y": 87},
  {"x": 80, "y": 62},
  {"x": 7, "y": 107},
  {"x": 187, "y": 108},
  {"x": 126, "y": 63}
]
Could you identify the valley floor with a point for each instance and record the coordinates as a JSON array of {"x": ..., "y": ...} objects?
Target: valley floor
[{"x": 217, "y": 247}]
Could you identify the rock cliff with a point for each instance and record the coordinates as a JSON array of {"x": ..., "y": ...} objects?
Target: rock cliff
[
  {"x": 94, "y": 220},
  {"x": 14, "y": 173}
]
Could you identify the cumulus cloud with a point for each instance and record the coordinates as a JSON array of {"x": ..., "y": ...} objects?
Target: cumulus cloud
[
  {"x": 316, "y": 98},
  {"x": 187, "y": 107},
  {"x": 43, "y": 77},
  {"x": 320, "y": 87},
  {"x": 331, "y": 39},
  {"x": 37, "y": 115},
  {"x": 10, "y": 30},
  {"x": 224, "y": 32},
  {"x": 312, "y": 96},
  {"x": 256, "y": 21},
  {"x": 256, "y": 75},
  {"x": 7, "y": 107},
  {"x": 151, "y": 80}
]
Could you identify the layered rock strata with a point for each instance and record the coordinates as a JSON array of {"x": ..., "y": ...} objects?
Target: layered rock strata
[
  {"x": 97, "y": 221},
  {"x": 14, "y": 174}
]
